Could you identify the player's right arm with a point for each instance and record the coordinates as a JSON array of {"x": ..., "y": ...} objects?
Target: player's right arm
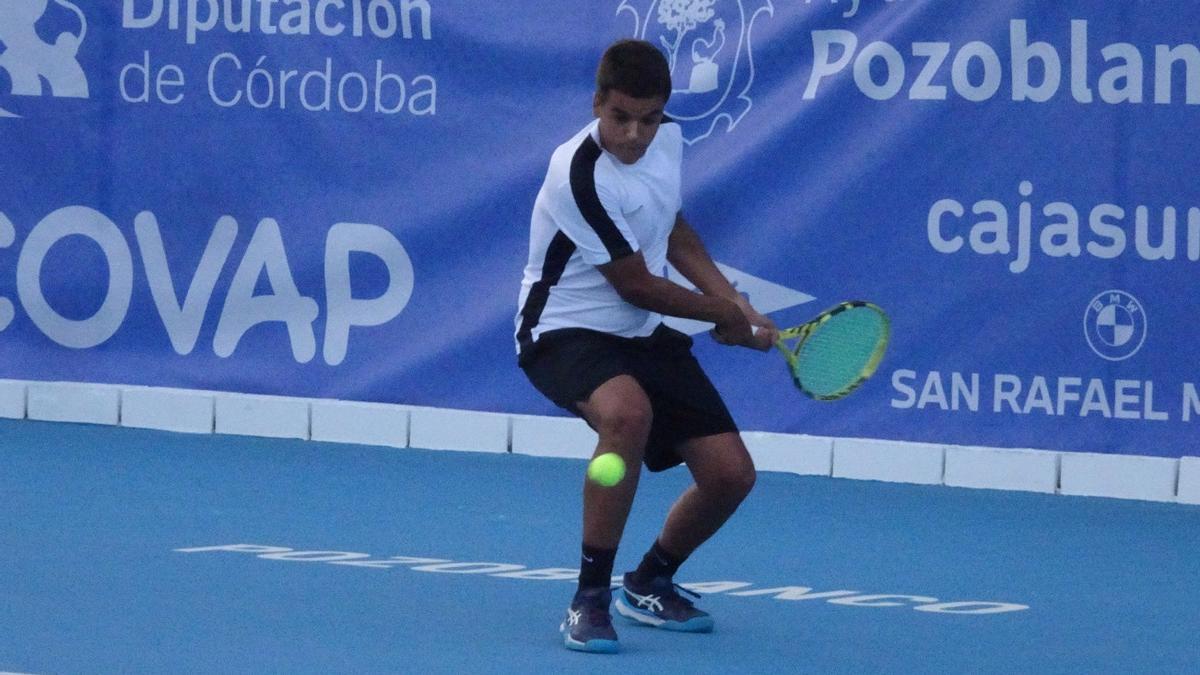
[{"x": 637, "y": 286}]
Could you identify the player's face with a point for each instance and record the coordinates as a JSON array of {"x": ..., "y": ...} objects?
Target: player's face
[{"x": 627, "y": 124}]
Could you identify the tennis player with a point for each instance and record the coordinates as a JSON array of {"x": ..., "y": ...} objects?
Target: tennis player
[{"x": 590, "y": 337}]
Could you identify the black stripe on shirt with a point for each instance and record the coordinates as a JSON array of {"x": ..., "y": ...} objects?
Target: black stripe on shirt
[
  {"x": 583, "y": 188},
  {"x": 559, "y": 251}
]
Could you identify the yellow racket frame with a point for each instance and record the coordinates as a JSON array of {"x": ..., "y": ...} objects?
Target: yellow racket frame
[{"x": 805, "y": 330}]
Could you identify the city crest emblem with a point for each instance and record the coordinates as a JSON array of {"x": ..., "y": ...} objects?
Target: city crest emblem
[{"x": 708, "y": 46}]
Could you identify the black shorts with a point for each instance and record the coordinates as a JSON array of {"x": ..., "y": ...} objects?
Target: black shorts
[{"x": 567, "y": 365}]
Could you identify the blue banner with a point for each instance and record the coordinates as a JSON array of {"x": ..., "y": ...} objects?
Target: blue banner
[{"x": 331, "y": 198}]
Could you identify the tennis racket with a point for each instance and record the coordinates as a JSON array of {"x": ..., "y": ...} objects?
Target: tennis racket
[{"x": 837, "y": 351}]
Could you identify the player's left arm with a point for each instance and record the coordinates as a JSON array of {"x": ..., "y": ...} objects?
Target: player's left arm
[{"x": 687, "y": 253}]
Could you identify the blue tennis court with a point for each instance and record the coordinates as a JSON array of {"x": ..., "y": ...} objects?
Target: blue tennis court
[{"x": 141, "y": 551}]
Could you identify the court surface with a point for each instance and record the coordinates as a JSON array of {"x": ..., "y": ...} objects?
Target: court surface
[{"x": 369, "y": 560}]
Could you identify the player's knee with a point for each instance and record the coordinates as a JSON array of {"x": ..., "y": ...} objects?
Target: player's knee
[
  {"x": 734, "y": 481},
  {"x": 629, "y": 423},
  {"x": 739, "y": 481}
]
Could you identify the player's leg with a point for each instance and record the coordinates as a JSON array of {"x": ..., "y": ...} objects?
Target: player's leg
[
  {"x": 692, "y": 425},
  {"x": 588, "y": 374},
  {"x": 695, "y": 427},
  {"x": 724, "y": 475},
  {"x": 620, "y": 413}
]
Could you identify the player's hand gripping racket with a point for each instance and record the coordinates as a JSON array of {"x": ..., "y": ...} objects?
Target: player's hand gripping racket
[{"x": 838, "y": 350}]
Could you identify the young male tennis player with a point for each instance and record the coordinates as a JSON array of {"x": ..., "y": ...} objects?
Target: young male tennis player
[{"x": 590, "y": 337}]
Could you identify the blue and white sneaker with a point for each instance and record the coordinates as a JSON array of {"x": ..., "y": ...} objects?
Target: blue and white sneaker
[
  {"x": 659, "y": 604},
  {"x": 588, "y": 626}
]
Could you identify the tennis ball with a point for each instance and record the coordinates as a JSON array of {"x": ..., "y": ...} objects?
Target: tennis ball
[{"x": 607, "y": 469}]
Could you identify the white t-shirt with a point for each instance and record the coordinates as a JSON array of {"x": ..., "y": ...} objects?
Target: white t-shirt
[{"x": 593, "y": 209}]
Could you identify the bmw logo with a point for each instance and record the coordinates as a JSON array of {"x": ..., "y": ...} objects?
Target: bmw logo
[{"x": 1115, "y": 325}]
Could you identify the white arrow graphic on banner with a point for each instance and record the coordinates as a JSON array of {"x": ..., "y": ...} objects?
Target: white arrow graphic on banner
[
  {"x": 766, "y": 297},
  {"x": 8, "y": 234}
]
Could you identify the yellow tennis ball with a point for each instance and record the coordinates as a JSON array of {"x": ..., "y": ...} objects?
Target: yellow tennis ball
[{"x": 607, "y": 469}]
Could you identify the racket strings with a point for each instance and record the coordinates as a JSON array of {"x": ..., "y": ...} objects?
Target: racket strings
[{"x": 840, "y": 351}]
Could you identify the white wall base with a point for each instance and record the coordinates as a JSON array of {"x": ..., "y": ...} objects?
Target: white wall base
[
  {"x": 789, "y": 453},
  {"x": 1122, "y": 476},
  {"x": 167, "y": 410},
  {"x": 443, "y": 429},
  {"x": 552, "y": 437},
  {"x": 74, "y": 402},
  {"x": 999, "y": 469},
  {"x": 1070, "y": 473},
  {"x": 362, "y": 423},
  {"x": 12, "y": 399},
  {"x": 270, "y": 416},
  {"x": 1189, "y": 480},
  {"x": 892, "y": 461}
]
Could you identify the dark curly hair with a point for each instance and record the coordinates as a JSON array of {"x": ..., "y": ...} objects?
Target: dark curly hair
[{"x": 636, "y": 68}]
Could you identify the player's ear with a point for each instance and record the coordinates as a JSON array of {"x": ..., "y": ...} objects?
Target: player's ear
[{"x": 597, "y": 102}]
